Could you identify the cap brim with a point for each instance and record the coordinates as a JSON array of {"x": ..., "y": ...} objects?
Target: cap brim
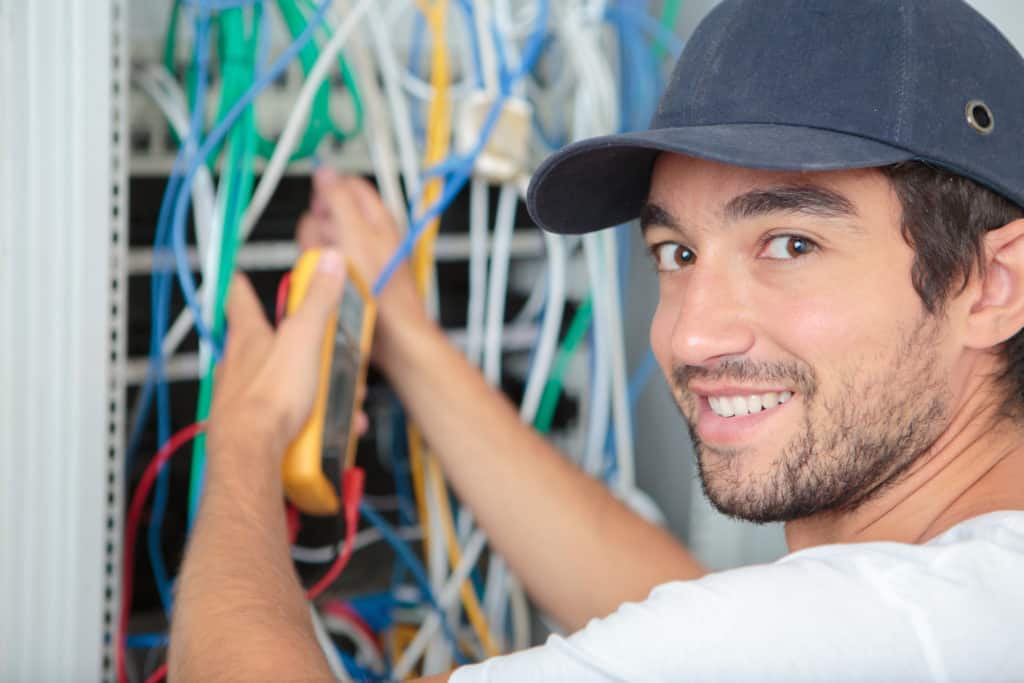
[{"x": 600, "y": 182}]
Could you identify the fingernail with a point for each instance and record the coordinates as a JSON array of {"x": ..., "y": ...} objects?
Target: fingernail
[{"x": 330, "y": 262}]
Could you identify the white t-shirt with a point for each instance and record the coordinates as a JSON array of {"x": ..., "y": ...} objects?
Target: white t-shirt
[{"x": 948, "y": 610}]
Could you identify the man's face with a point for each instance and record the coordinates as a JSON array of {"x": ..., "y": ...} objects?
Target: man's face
[{"x": 792, "y": 337}]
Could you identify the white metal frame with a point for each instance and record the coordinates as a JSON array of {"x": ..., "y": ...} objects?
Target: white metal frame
[{"x": 62, "y": 239}]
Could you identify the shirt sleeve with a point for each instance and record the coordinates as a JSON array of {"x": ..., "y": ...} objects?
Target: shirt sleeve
[{"x": 794, "y": 620}]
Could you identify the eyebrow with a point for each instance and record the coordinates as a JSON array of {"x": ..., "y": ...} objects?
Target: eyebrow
[
  {"x": 809, "y": 200},
  {"x": 805, "y": 199}
]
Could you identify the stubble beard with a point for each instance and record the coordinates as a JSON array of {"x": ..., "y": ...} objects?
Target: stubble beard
[{"x": 853, "y": 444}]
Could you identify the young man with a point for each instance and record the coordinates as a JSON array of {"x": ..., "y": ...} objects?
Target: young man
[{"x": 830, "y": 192}]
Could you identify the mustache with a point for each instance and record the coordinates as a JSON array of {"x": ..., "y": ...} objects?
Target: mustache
[{"x": 799, "y": 375}]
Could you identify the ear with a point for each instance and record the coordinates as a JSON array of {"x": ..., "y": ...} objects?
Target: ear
[{"x": 997, "y": 309}]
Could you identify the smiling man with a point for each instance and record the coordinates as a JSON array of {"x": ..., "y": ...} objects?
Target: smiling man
[{"x": 831, "y": 195}]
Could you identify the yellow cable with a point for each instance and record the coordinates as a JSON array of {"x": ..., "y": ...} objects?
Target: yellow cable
[
  {"x": 437, "y": 145},
  {"x": 469, "y": 599}
]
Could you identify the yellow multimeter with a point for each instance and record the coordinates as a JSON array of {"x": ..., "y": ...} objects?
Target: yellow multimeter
[{"x": 344, "y": 357}]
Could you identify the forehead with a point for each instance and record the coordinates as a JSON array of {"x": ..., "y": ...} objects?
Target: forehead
[{"x": 691, "y": 188}]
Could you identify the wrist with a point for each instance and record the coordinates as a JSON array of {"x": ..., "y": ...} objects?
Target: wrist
[
  {"x": 406, "y": 344},
  {"x": 245, "y": 453}
]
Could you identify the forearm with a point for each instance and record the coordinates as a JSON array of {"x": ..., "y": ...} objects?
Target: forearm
[
  {"x": 579, "y": 551},
  {"x": 240, "y": 612}
]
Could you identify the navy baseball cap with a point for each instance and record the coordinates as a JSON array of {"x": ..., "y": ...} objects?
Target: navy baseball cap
[{"x": 811, "y": 85}]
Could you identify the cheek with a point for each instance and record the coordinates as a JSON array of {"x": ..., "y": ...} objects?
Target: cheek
[
  {"x": 851, "y": 320},
  {"x": 662, "y": 325}
]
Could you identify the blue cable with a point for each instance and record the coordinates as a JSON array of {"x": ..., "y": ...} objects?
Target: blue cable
[
  {"x": 185, "y": 279},
  {"x": 156, "y": 520},
  {"x": 461, "y": 168},
  {"x": 407, "y": 557},
  {"x": 647, "y": 23},
  {"x": 146, "y": 641},
  {"x": 478, "y": 68},
  {"x": 177, "y": 192},
  {"x": 358, "y": 673}
]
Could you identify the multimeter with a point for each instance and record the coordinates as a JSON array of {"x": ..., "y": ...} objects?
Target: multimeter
[{"x": 344, "y": 357}]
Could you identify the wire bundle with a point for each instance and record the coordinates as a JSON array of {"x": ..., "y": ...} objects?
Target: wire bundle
[{"x": 554, "y": 57}]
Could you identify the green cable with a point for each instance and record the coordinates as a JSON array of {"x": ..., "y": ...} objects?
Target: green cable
[
  {"x": 319, "y": 123},
  {"x": 238, "y": 67},
  {"x": 669, "y": 16},
  {"x": 348, "y": 78},
  {"x": 553, "y": 387}
]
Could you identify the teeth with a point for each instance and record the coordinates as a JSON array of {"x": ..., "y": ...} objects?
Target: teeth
[
  {"x": 729, "y": 406},
  {"x": 721, "y": 406},
  {"x": 739, "y": 405},
  {"x": 754, "y": 404}
]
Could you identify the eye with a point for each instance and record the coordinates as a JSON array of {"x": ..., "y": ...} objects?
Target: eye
[
  {"x": 669, "y": 256},
  {"x": 788, "y": 247}
]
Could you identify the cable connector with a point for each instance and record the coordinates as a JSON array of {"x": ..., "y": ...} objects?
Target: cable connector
[
  {"x": 504, "y": 156},
  {"x": 352, "y": 481}
]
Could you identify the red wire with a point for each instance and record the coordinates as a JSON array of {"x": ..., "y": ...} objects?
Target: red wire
[
  {"x": 158, "y": 675},
  {"x": 131, "y": 531},
  {"x": 352, "y": 481},
  {"x": 282, "y": 297}
]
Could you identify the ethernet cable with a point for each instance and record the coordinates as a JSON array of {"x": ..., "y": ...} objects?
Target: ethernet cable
[
  {"x": 478, "y": 240},
  {"x": 447, "y": 596},
  {"x": 282, "y": 152},
  {"x": 185, "y": 279}
]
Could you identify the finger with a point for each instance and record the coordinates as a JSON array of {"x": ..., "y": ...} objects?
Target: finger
[
  {"x": 339, "y": 198},
  {"x": 361, "y": 424},
  {"x": 369, "y": 201},
  {"x": 244, "y": 313},
  {"x": 305, "y": 328},
  {"x": 306, "y": 232}
]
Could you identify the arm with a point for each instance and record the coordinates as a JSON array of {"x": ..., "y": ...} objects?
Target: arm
[
  {"x": 579, "y": 551},
  {"x": 240, "y": 612}
]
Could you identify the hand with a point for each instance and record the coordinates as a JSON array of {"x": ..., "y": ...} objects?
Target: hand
[
  {"x": 346, "y": 212},
  {"x": 266, "y": 382}
]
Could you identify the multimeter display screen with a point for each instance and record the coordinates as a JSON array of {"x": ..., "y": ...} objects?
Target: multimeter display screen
[{"x": 344, "y": 374}]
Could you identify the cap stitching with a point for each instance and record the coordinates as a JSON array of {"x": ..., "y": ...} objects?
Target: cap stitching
[{"x": 901, "y": 93}]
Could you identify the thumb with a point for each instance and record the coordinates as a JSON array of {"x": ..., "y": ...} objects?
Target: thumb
[{"x": 322, "y": 297}]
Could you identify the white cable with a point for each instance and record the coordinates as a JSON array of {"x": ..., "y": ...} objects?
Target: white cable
[
  {"x": 327, "y": 647},
  {"x": 478, "y": 238},
  {"x": 367, "y": 651},
  {"x": 447, "y": 596},
  {"x": 168, "y": 97},
  {"x": 377, "y": 127},
  {"x": 400, "y": 117},
  {"x": 597, "y": 421},
  {"x": 621, "y": 411},
  {"x": 503, "y": 229},
  {"x": 488, "y": 59},
  {"x": 364, "y": 538},
  {"x": 293, "y": 129},
  {"x": 282, "y": 153},
  {"x": 520, "y": 614},
  {"x": 438, "y": 655},
  {"x": 548, "y": 342}
]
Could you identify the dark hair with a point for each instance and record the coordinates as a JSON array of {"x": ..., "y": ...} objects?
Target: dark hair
[{"x": 945, "y": 218}]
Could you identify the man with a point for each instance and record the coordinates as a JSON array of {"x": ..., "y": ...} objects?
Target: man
[{"x": 830, "y": 192}]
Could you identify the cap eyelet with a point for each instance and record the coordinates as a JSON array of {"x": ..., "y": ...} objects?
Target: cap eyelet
[{"x": 979, "y": 117}]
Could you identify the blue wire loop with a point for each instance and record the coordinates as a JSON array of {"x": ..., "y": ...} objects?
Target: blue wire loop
[{"x": 415, "y": 567}]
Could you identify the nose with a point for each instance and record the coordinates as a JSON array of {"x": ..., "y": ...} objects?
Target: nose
[{"x": 713, "y": 316}]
